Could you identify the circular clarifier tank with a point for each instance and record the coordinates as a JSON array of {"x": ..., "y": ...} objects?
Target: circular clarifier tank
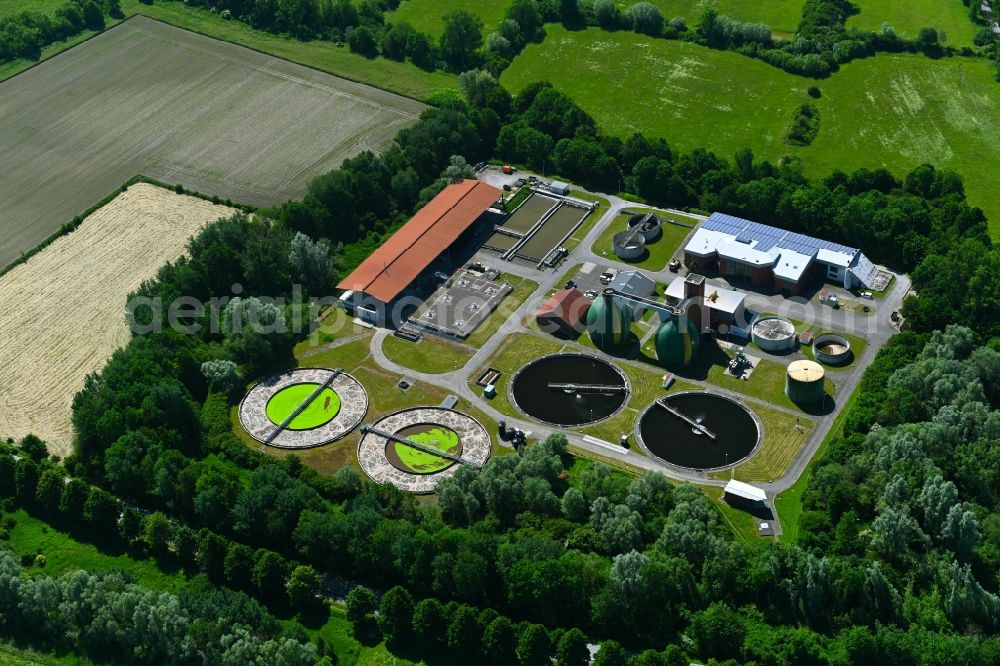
[
  {"x": 569, "y": 389},
  {"x": 832, "y": 349},
  {"x": 774, "y": 334},
  {"x": 699, "y": 430}
]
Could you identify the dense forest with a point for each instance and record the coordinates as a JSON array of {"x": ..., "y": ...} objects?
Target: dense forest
[
  {"x": 24, "y": 34},
  {"x": 899, "y": 550}
]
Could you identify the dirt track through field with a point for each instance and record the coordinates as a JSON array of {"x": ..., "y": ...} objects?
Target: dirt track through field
[
  {"x": 62, "y": 312},
  {"x": 145, "y": 97}
]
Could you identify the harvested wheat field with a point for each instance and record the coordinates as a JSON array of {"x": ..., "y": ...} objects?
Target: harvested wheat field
[{"x": 62, "y": 312}]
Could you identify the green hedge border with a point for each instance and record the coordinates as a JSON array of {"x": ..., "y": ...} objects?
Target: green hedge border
[{"x": 75, "y": 223}]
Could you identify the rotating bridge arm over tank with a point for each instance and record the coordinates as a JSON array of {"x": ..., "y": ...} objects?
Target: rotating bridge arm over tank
[
  {"x": 588, "y": 388},
  {"x": 392, "y": 437},
  {"x": 302, "y": 407},
  {"x": 687, "y": 419}
]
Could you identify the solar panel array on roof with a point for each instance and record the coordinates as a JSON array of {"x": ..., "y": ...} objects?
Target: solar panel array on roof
[
  {"x": 865, "y": 271},
  {"x": 768, "y": 237}
]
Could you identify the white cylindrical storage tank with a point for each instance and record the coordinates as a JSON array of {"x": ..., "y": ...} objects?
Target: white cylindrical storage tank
[
  {"x": 649, "y": 225},
  {"x": 804, "y": 383},
  {"x": 774, "y": 334},
  {"x": 628, "y": 244},
  {"x": 832, "y": 349}
]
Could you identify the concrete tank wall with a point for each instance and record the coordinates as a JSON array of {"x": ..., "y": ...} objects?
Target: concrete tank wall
[
  {"x": 831, "y": 348},
  {"x": 628, "y": 246},
  {"x": 774, "y": 334},
  {"x": 652, "y": 230}
]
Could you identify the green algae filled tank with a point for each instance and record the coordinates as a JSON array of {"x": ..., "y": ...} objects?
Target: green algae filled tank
[
  {"x": 677, "y": 344},
  {"x": 608, "y": 321}
]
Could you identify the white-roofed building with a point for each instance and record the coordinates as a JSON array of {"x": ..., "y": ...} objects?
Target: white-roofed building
[
  {"x": 634, "y": 283},
  {"x": 725, "y": 306},
  {"x": 767, "y": 256},
  {"x": 737, "y": 492}
]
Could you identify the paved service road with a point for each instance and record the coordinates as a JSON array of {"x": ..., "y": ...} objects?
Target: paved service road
[{"x": 876, "y": 329}]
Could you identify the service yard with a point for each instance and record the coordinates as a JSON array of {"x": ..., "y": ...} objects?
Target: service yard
[
  {"x": 148, "y": 98},
  {"x": 61, "y": 313}
]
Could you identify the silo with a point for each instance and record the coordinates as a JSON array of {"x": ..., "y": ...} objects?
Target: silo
[
  {"x": 677, "y": 343},
  {"x": 608, "y": 322},
  {"x": 804, "y": 383}
]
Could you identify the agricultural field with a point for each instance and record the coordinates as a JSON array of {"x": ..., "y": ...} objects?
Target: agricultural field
[
  {"x": 427, "y": 16},
  {"x": 334, "y": 58},
  {"x": 907, "y": 18},
  {"x": 145, "y": 97},
  {"x": 61, "y": 311},
  {"x": 782, "y": 15},
  {"x": 892, "y": 111}
]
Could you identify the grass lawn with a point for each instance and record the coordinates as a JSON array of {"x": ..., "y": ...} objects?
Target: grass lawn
[
  {"x": 427, "y": 16},
  {"x": 519, "y": 349},
  {"x": 767, "y": 382},
  {"x": 743, "y": 525},
  {"x": 657, "y": 253},
  {"x": 893, "y": 111},
  {"x": 858, "y": 343},
  {"x": 602, "y": 207},
  {"x": 782, "y": 15},
  {"x": 789, "y": 503},
  {"x": 646, "y": 386},
  {"x": 432, "y": 354},
  {"x": 907, "y": 18},
  {"x": 402, "y": 78},
  {"x": 48, "y": 7},
  {"x": 11, "y": 655},
  {"x": 782, "y": 440},
  {"x": 65, "y": 553}
]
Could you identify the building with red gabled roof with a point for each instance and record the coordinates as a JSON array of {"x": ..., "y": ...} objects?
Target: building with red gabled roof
[
  {"x": 564, "y": 312},
  {"x": 390, "y": 270}
]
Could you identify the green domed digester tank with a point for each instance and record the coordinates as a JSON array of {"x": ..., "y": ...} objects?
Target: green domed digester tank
[
  {"x": 678, "y": 342},
  {"x": 608, "y": 321}
]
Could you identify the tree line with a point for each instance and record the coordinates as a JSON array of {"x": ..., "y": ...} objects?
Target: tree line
[
  {"x": 634, "y": 560},
  {"x": 23, "y": 35},
  {"x": 822, "y": 42}
]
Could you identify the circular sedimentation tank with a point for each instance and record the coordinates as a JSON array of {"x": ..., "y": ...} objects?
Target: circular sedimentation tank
[
  {"x": 774, "y": 334},
  {"x": 677, "y": 342},
  {"x": 699, "y": 430},
  {"x": 609, "y": 322},
  {"x": 303, "y": 408},
  {"x": 649, "y": 225},
  {"x": 832, "y": 349},
  {"x": 531, "y": 392},
  {"x": 403, "y": 448},
  {"x": 628, "y": 244},
  {"x": 804, "y": 382}
]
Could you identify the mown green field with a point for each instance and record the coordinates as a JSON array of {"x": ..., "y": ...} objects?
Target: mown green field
[
  {"x": 907, "y": 18},
  {"x": 782, "y": 15},
  {"x": 893, "y": 111},
  {"x": 8, "y": 7},
  {"x": 427, "y": 16}
]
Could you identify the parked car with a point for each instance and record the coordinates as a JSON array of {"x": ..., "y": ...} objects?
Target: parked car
[
  {"x": 532, "y": 179},
  {"x": 520, "y": 182}
]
